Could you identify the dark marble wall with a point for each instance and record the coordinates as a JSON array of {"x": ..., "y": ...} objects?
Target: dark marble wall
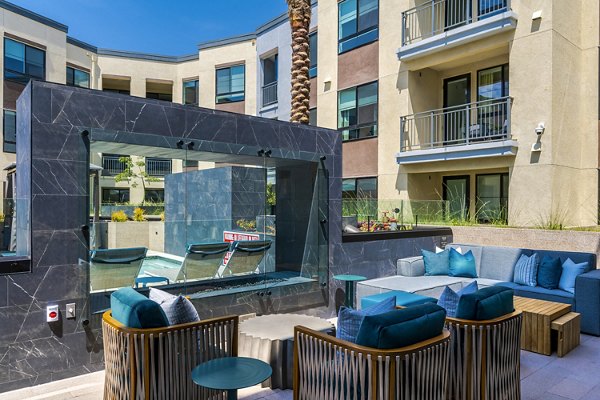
[{"x": 56, "y": 124}]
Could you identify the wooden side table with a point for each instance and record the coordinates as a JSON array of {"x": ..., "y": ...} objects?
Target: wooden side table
[
  {"x": 567, "y": 331},
  {"x": 538, "y": 315}
]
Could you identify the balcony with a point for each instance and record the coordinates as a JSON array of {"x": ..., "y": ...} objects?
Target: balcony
[
  {"x": 442, "y": 24},
  {"x": 269, "y": 94},
  {"x": 480, "y": 129},
  {"x": 158, "y": 167}
]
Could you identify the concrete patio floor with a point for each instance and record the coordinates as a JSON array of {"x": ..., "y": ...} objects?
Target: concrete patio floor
[{"x": 573, "y": 377}]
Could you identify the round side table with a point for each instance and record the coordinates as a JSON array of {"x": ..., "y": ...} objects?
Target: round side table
[
  {"x": 231, "y": 374},
  {"x": 350, "y": 282}
]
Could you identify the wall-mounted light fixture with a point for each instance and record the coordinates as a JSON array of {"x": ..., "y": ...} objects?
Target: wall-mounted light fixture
[{"x": 539, "y": 130}]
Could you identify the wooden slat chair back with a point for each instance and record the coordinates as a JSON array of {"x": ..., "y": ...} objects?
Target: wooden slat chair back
[
  {"x": 115, "y": 268},
  {"x": 329, "y": 368},
  {"x": 156, "y": 364},
  {"x": 485, "y": 358}
]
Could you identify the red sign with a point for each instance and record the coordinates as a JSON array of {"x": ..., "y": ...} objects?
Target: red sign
[{"x": 230, "y": 237}]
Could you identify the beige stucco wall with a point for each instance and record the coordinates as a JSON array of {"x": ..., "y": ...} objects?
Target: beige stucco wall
[
  {"x": 233, "y": 54},
  {"x": 553, "y": 68},
  {"x": 327, "y": 54}
]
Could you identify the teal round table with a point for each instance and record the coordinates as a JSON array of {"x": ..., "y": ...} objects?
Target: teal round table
[
  {"x": 231, "y": 374},
  {"x": 350, "y": 282}
]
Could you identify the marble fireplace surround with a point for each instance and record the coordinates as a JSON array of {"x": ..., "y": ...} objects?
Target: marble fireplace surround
[{"x": 54, "y": 124}]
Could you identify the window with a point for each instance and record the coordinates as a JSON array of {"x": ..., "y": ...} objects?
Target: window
[
  {"x": 112, "y": 164},
  {"x": 114, "y": 195},
  {"x": 492, "y": 83},
  {"x": 230, "y": 84},
  {"x": 312, "y": 72},
  {"x": 9, "y": 129},
  {"x": 361, "y": 188},
  {"x": 357, "y": 23},
  {"x": 23, "y": 62},
  {"x": 357, "y": 112},
  {"x": 154, "y": 195},
  {"x": 312, "y": 116},
  {"x": 190, "y": 92},
  {"x": 159, "y": 96},
  {"x": 77, "y": 77},
  {"x": 492, "y": 92},
  {"x": 492, "y": 198},
  {"x": 121, "y": 91}
]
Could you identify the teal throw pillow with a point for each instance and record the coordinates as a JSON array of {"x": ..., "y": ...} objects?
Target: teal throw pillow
[
  {"x": 462, "y": 265},
  {"x": 436, "y": 263},
  {"x": 549, "y": 272}
]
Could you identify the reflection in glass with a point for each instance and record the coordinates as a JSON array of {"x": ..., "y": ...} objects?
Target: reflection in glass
[{"x": 211, "y": 224}]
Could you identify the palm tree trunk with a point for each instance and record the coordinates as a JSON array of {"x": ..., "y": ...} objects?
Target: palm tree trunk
[{"x": 299, "y": 12}]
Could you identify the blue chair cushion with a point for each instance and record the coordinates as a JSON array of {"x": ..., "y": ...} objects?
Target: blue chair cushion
[
  {"x": 570, "y": 271},
  {"x": 462, "y": 265},
  {"x": 134, "y": 310},
  {"x": 549, "y": 272},
  {"x": 118, "y": 256},
  {"x": 488, "y": 303},
  {"x": 449, "y": 298},
  {"x": 350, "y": 320},
  {"x": 540, "y": 293},
  {"x": 400, "y": 328},
  {"x": 404, "y": 299},
  {"x": 436, "y": 263},
  {"x": 526, "y": 270}
]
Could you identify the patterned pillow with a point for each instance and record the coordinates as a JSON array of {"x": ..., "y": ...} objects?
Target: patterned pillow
[
  {"x": 349, "y": 320},
  {"x": 526, "y": 270},
  {"x": 178, "y": 309},
  {"x": 449, "y": 298}
]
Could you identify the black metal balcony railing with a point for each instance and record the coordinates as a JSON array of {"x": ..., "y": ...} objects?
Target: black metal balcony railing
[
  {"x": 466, "y": 124},
  {"x": 269, "y": 94},
  {"x": 111, "y": 165},
  {"x": 438, "y": 16},
  {"x": 158, "y": 166}
]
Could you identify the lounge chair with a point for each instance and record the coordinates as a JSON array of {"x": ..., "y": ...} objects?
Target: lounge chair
[
  {"x": 155, "y": 361},
  {"x": 485, "y": 354},
  {"x": 115, "y": 268},
  {"x": 326, "y": 367},
  {"x": 246, "y": 256},
  {"x": 202, "y": 261}
]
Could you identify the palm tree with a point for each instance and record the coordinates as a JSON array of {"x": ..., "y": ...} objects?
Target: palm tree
[{"x": 299, "y": 12}]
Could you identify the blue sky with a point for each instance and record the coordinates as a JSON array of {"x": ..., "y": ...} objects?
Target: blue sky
[{"x": 156, "y": 26}]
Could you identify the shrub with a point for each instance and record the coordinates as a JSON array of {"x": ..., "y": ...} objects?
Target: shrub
[
  {"x": 119, "y": 216},
  {"x": 162, "y": 216},
  {"x": 138, "y": 215}
]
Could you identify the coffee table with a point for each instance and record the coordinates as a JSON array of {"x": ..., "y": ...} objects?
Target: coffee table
[
  {"x": 538, "y": 315},
  {"x": 231, "y": 374},
  {"x": 271, "y": 338}
]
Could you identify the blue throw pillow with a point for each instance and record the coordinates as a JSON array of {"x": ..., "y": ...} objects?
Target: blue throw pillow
[
  {"x": 462, "y": 265},
  {"x": 569, "y": 274},
  {"x": 549, "y": 272},
  {"x": 134, "y": 310},
  {"x": 526, "y": 270},
  {"x": 436, "y": 263},
  {"x": 449, "y": 298},
  {"x": 349, "y": 320}
]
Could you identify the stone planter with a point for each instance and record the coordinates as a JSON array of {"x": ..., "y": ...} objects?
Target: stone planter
[
  {"x": 107, "y": 210},
  {"x": 128, "y": 234}
]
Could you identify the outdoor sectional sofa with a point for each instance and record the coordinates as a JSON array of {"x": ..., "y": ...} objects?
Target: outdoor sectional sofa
[{"x": 495, "y": 266}]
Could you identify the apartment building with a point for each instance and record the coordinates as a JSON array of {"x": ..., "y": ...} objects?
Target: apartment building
[{"x": 491, "y": 105}]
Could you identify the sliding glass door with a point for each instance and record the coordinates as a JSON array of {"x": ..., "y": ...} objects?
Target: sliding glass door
[{"x": 492, "y": 97}]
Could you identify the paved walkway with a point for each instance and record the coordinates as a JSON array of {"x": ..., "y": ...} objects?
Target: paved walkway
[{"x": 573, "y": 377}]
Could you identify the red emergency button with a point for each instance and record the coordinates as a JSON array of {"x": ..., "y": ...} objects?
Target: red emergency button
[{"x": 53, "y": 314}]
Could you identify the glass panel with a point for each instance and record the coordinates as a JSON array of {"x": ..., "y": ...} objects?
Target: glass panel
[
  {"x": 237, "y": 78},
  {"x": 190, "y": 92},
  {"x": 70, "y": 76},
  {"x": 81, "y": 78},
  {"x": 14, "y": 56},
  {"x": 366, "y": 188},
  {"x": 312, "y": 117},
  {"x": 492, "y": 195},
  {"x": 312, "y": 72},
  {"x": 347, "y": 18},
  {"x": 456, "y": 193},
  {"x": 347, "y": 108},
  {"x": 35, "y": 62},
  {"x": 349, "y": 188},
  {"x": 457, "y": 93},
  {"x": 10, "y": 131},
  {"x": 491, "y": 7},
  {"x": 491, "y": 85},
  {"x": 223, "y": 81},
  {"x": 368, "y": 11}
]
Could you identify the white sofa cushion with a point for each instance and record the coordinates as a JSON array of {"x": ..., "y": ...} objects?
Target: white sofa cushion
[{"x": 431, "y": 286}]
